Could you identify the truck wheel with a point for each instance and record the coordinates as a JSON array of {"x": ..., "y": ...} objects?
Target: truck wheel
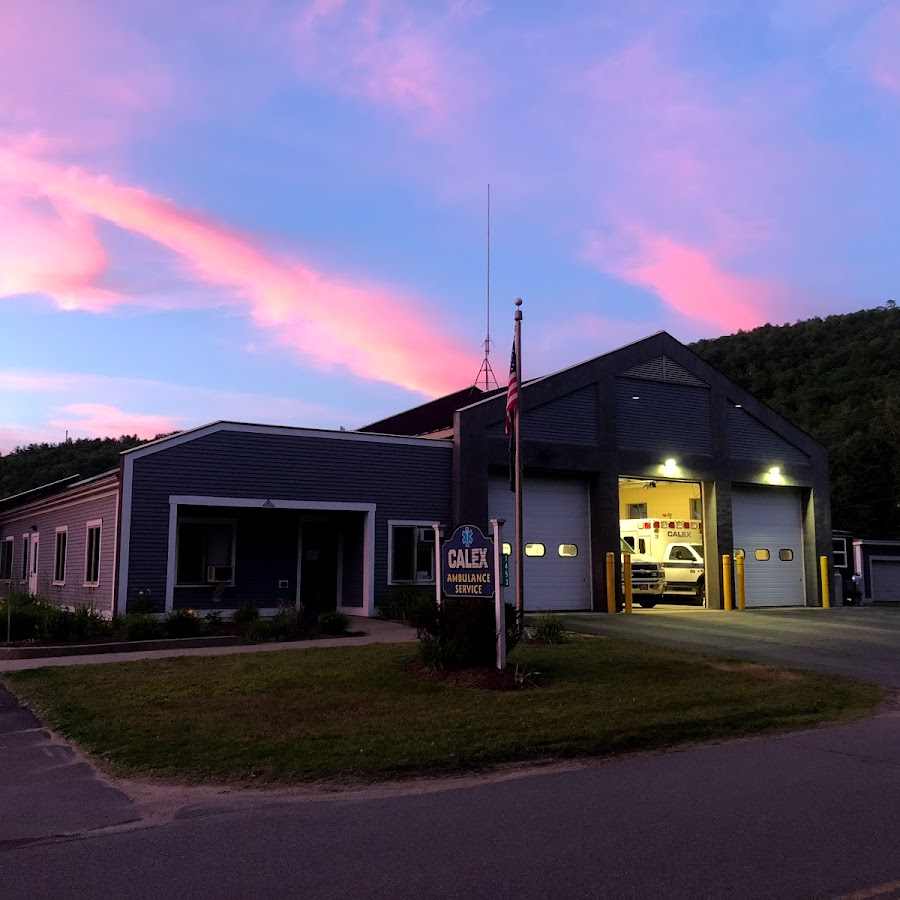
[
  {"x": 647, "y": 604},
  {"x": 700, "y": 592}
]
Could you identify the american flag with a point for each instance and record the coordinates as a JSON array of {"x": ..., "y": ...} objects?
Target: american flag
[{"x": 512, "y": 390}]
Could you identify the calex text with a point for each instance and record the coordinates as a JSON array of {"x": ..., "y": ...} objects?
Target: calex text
[{"x": 473, "y": 558}]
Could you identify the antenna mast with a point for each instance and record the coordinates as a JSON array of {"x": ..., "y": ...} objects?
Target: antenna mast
[{"x": 486, "y": 369}]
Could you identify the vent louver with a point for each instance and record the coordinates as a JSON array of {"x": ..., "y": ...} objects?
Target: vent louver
[{"x": 664, "y": 369}]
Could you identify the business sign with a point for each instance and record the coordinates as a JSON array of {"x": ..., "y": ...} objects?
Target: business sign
[{"x": 467, "y": 564}]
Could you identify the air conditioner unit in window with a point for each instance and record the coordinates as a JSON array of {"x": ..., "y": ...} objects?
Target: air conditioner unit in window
[{"x": 217, "y": 574}]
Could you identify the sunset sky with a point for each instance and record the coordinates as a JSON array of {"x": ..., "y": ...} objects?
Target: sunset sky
[{"x": 275, "y": 211}]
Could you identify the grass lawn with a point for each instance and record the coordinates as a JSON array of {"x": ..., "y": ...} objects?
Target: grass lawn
[{"x": 357, "y": 714}]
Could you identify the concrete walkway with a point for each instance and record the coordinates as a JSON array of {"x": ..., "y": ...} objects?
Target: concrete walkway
[{"x": 376, "y": 631}]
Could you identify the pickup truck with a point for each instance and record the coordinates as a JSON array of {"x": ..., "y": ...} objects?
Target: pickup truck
[
  {"x": 647, "y": 583},
  {"x": 683, "y": 570}
]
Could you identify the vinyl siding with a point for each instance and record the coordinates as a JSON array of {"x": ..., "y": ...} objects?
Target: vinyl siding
[
  {"x": 748, "y": 438},
  {"x": 404, "y": 481},
  {"x": 73, "y": 514},
  {"x": 570, "y": 419},
  {"x": 667, "y": 417}
]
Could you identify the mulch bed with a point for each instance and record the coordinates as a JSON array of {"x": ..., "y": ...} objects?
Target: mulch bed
[{"x": 508, "y": 679}]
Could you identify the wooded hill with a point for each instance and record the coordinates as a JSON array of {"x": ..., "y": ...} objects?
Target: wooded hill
[
  {"x": 838, "y": 378},
  {"x": 30, "y": 467}
]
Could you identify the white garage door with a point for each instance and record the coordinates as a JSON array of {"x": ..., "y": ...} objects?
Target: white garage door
[
  {"x": 885, "y": 578},
  {"x": 556, "y": 518},
  {"x": 768, "y": 527}
]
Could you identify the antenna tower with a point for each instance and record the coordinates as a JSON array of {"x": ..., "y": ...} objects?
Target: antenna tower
[{"x": 486, "y": 372}]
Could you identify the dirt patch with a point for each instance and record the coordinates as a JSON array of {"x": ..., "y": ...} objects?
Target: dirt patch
[
  {"x": 756, "y": 670},
  {"x": 508, "y": 679}
]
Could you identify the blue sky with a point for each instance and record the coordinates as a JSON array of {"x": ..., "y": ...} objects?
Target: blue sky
[{"x": 275, "y": 211}]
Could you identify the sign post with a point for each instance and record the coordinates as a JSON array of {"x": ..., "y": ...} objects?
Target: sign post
[
  {"x": 499, "y": 605},
  {"x": 437, "y": 564}
]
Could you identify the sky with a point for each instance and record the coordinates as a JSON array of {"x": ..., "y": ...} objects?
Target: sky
[{"x": 275, "y": 211}]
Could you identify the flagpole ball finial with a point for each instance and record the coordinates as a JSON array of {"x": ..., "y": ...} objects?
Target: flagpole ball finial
[{"x": 518, "y": 301}]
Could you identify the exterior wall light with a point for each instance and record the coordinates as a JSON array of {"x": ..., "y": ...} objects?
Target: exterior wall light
[
  {"x": 670, "y": 467},
  {"x": 774, "y": 476}
]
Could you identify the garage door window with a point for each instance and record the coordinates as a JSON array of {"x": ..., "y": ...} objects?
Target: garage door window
[
  {"x": 785, "y": 555},
  {"x": 762, "y": 555},
  {"x": 507, "y": 548},
  {"x": 568, "y": 550},
  {"x": 738, "y": 553},
  {"x": 535, "y": 550}
]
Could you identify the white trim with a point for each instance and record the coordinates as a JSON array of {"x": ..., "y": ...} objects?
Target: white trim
[
  {"x": 60, "y": 529},
  {"x": 176, "y": 500},
  {"x": 280, "y": 430},
  {"x": 93, "y": 523},
  {"x": 410, "y": 523},
  {"x": 125, "y": 533}
]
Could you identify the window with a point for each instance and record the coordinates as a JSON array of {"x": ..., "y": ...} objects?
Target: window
[
  {"x": 535, "y": 550},
  {"x": 762, "y": 555},
  {"x": 637, "y": 511},
  {"x": 785, "y": 555},
  {"x": 6, "y": 558},
  {"x": 839, "y": 547},
  {"x": 630, "y": 541},
  {"x": 681, "y": 554},
  {"x": 59, "y": 560},
  {"x": 92, "y": 555},
  {"x": 201, "y": 544},
  {"x": 696, "y": 511},
  {"x": 412, "y": 553},
  {"x": 738, "y": 553},
  {"x": 25, "y": 540},
  {"x": 568, "y": 550}
]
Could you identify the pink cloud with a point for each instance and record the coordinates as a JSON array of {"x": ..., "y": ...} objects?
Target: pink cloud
[
  {"x": 692, "y": 282},
  {"x": 388, "y": 56},
  {"x": 373, "y": 332},
  {"x": 98, "y": 420}
]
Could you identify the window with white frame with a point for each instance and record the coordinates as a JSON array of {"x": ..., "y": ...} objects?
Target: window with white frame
[
  {"x": 839, "y": 546},
  {"x": 205, "y": 551},
  {"x": 92, "y": 554},
  {"x": 25, "y": 540},
  {"x": 6, "y": 559},
  {"x": 411, "y": 553},
  {"x": 59, "y": 559}
]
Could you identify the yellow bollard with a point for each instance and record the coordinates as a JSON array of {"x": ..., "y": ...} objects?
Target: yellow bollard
[
  {"x": 626, "y": 574},
  {"x": 610, "y": 582},
  {"x": 726, "y": 582},
  {"x": 739, "y": 578},
  {"x": 826, "y": 590}
]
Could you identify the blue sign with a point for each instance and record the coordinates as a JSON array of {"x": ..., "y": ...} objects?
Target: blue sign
[{"x": 467, "y": 564}]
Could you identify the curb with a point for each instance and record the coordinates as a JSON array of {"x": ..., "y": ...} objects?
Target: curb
[{"x": 122, "y": 647}]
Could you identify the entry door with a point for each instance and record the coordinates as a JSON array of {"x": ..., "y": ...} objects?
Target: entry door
[
  {"x": 319, "y": 567},
  {"x": 768, "y": 527},
  {"x": 556, "y": 523},
  {"x": 33, "y": 564}
]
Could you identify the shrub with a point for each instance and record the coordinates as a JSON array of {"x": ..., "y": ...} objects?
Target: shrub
[
  {"x": 26, "y": 616},
  {"x": 141, "y": 605},
  {"x": 334, "y": 622},
  {"x": 182, "y": 623},
  {"x": 404, "y": 602},
  {"x": 57, "y": 625},
  {"x": 88, "y": 622},
  {"x": 461, "y": 633},
  {"x": 143, "y": 627},
  {"x": 212, "y": 620},
  {"x": 285, "y": 625},
  {"x": 245, "y": 614},
  {"x": 551, "y": 628},
  {"x": 260, "y": 630}
]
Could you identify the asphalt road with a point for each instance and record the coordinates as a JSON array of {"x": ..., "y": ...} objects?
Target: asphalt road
[
  {"x": 861, "y": 643},
  {"x": 804, "y": 815}
]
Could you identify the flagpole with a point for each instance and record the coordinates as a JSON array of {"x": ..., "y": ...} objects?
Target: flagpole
[{"x": 520, "y": 557}]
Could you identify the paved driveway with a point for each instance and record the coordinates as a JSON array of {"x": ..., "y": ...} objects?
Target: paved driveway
[{"x": 861, "y": 643}]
